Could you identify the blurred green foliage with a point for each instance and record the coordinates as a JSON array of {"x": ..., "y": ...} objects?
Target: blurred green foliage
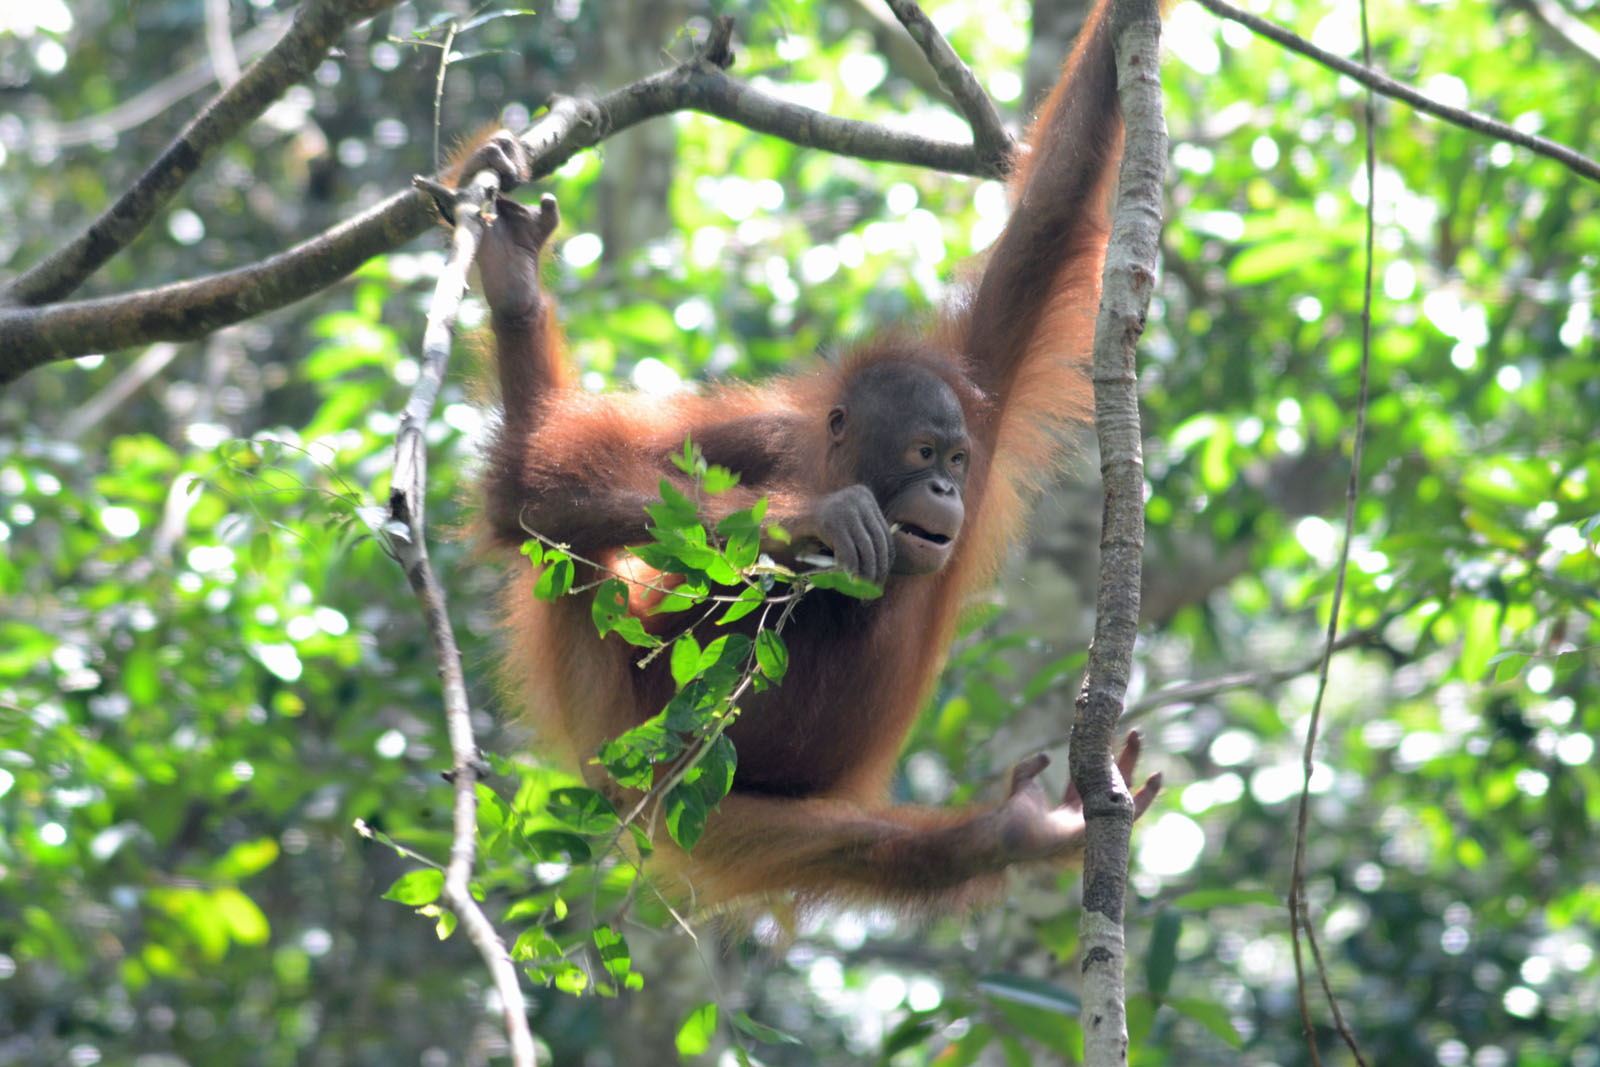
[{"x": 209, "y": 675}]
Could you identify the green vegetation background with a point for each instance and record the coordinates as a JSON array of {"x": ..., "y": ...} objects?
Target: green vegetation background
[{"x": 209, "y": 674}]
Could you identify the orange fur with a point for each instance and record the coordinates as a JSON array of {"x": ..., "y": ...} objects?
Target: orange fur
[
  {"x": 462, "y": 149},
  {"x": 807, "y": 814}
]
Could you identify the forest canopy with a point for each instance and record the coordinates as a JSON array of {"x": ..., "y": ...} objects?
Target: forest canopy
[{"x": 221, "y": 735}]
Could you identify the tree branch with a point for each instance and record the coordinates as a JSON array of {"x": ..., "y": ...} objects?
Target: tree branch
[
  {"x": 128, "y": 381},
  {"x": 219, "y": 43},
  {"x": 1128, "y": 280},
  {"x": 1475, "y": 121},
  {"x": 407, "y": 500},
  {"x": 1199, "y": 690},
  {"x": 702, "y": 84},
  {"x": 1203, "y": 689},
  {"x": 1568, "y": 29},
  {"x": 316, "y": 27},
  {"x": 995, "y": 146},
  {"x": 136, "y": 110},
  {"x": 182, "y": 311}
]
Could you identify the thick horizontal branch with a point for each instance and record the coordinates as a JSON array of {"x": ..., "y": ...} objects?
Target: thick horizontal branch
[
  {"x": 702, "y": 85},
  {"x": 182, "y": 311},
  {"x": 314, "y": 30},
  {"x": 1475, "y": 121},
  {"x": 186, "y": 310}
]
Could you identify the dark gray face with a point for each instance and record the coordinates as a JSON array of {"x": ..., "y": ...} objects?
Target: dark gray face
[{"x": 903, "y": 430}]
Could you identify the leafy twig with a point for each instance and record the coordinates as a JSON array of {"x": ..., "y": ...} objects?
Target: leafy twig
[{"x": 652, "y": 586}]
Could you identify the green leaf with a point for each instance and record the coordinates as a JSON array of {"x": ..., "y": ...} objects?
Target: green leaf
[
  {"x": 1482, "y": 637},
  {"x": 647, "y": 324},
  {"x": 697, "y": 1029},
  {"x": 733, "y": 652},
  {"x": 751, "y": 597},
  {"x": 246, "y": 923},
  {"x": 527, "y": 907},
  {"x": 718, "y": 479},
  {"x": 743, "y": 522},
  {"x": 1266, "y": 260},
  {"x": 615, "y": 956},
  {"x": 689, "y": 459},
  {"x": 492, "y": 16},
  {"x": 632, "y": 631},
  {"x": 1058, "y": 933},
  {"x": 772, "y": 655},
  {"x": 492, "y": 811},
  {"x": 686, "y": 815},
  {"x": 558, "y": 845},
  {"x": 912, "y": 1031},
  {"x": 1507, "y": 665},
  {"x": 261, "y": 551},
  {"x": 1050, "y": 675},
  {"x": 610, "y": 604},
  {"x": 719, "y": 570},
  {"x": 1161, "y": 958},
  {"x": 741, "y": 552},
  {"x": 572, "y": 979},
  {"x": 713, "y": 774},
  {"x": 1216, "y": 470},
  {"x": 416, "y": 888},
  {"x": 611, "y": 615},
  {"x": 761, "y": 1031},
  {"x": 535, "y": 946},
  {"x": 582, "y": 809},
  {"x": 141, "y": 677},
  {"x": 1141, "y": 1016},
  {"x": 1213, "y": 1017},
  {"x": 1206, "y": 899},
  {"x": 677, "y": 551},
  {"x": 741, "y": 534},
  {"x": 689, "y": 803},
  {"x": 1048, "y": 1027},
  {"x": 674, "y": 512},
  {"x": 964, "y": 1052},
  {"x": 246, "y": 858},
  {"x": 555, "y": 579},
  {"x": 1032, "y": 992},
  {"x": 685, "y": 595},
  {"x": 685, "y": 659},
  {"x": 848, "y": 584},
  {"x": 631, "y": 756}
]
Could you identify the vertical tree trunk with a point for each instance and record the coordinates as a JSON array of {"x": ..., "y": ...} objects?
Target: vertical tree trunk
[{"x": 1125, "y": 297}]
